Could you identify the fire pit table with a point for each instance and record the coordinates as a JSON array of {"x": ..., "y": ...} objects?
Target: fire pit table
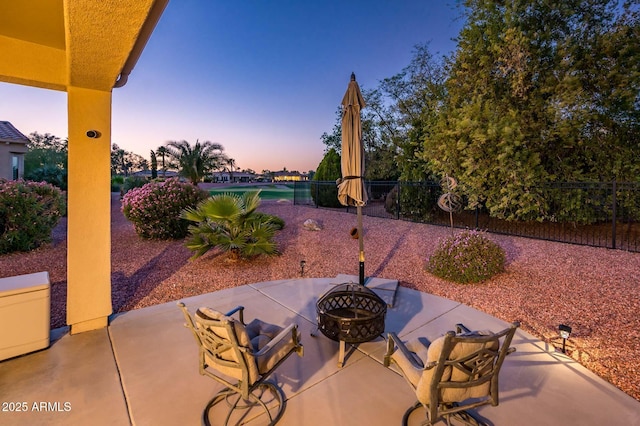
[{"x": 350, "y": 313}]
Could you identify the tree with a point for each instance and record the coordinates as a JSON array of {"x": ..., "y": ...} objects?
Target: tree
[
  {"x": 379, "y": 155},
  {"x": 46, "y": 159},
  {"x": 536, "y": 93},
  {"x": 406, "y": 108},
  {"x": 194, "y": 162},
  {"x": 400, "y": 114},
  {"x": 154, "y": 165},
  {"x": 124, "y": 162},
  {"x": 334, "y": 140},
  {"x": 119, "y": 165},
  {"x": 165, "y": 160},
  {"x": 229, "y": 166},
  {"x": 268, "y": 174},
  {"x": 45, "y": 150}
]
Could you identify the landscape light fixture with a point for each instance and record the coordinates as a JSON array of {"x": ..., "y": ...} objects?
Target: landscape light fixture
[
  {"x": 565, "y": 332},
  {"x": 302, "y": 264}
]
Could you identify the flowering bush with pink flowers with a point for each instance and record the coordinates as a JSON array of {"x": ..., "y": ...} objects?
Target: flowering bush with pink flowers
[
  {"x": 467, "y": 257},
  {"x": 28, "y": 213},
  {"x": 155, "y": 208}
]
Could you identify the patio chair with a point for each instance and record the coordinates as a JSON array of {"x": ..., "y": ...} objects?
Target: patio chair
[
  {"x": 453, "y": 374},
  {"x": 241, "y": 357}
]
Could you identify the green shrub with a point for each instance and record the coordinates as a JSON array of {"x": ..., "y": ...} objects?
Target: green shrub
[
  {"x": 55, "y": 175},
  {"x": 155, "y": 208},
  {"x": 116, "y": 183},
  {"x": 231, "y": 223},
  {"x": 28, "y": 213},
  {"x": 467, "y": 257},
  {"x": 323, "y": 194},
  {"x": 117, "y": 180},
  {"x": 132, "y": 182}
]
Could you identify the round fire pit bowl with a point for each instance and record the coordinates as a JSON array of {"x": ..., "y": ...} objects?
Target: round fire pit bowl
[{"x": 351, "y": 313}]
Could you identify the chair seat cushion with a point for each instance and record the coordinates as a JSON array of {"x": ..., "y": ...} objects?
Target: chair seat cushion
[{"x": 260, "y": 329}]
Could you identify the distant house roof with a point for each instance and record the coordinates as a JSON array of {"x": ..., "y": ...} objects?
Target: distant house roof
[
  {"x": 8, "y": 133},
  {"x": 238, "y": 174}
]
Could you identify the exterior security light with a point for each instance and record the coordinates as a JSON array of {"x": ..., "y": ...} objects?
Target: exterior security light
[
  {"x": 302, "y": 264},
  {"x": 565, "y": 332}
]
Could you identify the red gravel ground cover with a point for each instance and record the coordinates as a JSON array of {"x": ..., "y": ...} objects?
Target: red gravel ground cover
[{"x": 594, "y": 290}]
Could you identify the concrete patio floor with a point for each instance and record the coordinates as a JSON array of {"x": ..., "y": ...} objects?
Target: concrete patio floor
[{"x": 142, "y": 369}]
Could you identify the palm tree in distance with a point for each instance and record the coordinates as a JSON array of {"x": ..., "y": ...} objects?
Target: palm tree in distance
[
  {"x": 230, "y": 164},
  {"x": 163, "y": 152},
  {"x": 194, "y": 162}
]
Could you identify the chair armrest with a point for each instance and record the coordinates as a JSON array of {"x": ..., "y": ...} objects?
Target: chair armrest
[
  {"x": 236, "y": 309},
  {"x": 189, "y": 322},
  {"x": 394, "y": 340},
  {"x": 460, "y": 328},
  {"x": 290, "y": 332}
]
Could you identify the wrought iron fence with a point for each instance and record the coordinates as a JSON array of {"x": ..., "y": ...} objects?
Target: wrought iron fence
[{"x": 600, "y": 214}]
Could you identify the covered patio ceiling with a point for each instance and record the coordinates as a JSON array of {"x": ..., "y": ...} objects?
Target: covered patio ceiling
[{"x": 91, "y": 44}]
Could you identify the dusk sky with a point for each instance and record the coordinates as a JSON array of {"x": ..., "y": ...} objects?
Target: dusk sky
[{"x": 263, "y": 78}]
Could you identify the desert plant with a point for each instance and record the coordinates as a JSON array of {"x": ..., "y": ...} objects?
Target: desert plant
[
  {"x": 155, "y": 208},
  {"x": 28, "y": 213},
  {"x": 467, "y": 257},
  {"x": 231, "y": 223},
  {"x": 276, "y": 221}
]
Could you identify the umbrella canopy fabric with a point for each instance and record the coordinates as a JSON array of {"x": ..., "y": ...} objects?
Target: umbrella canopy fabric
[{"x": 351, "y": 190}]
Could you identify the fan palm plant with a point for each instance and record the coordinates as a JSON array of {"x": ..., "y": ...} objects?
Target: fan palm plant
[
  {"x": 194, "y": 162},
  {"x": 231, "y": 223}
]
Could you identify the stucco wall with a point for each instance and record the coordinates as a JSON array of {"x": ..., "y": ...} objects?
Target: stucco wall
[{"x": 7, "y": 151}]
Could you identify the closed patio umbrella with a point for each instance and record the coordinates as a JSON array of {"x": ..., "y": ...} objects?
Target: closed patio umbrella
[{"x": 351, "y": 190}]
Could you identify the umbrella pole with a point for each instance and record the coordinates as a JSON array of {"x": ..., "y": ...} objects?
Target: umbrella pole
[{"x": 361, "y": 243}]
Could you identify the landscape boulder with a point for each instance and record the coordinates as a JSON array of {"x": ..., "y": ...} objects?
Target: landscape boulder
[{"x": 311, "y": 225}]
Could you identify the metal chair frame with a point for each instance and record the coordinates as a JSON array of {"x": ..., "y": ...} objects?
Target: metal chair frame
[
  {"x": 209, "y": 336},
  {"x": 480, "y": 366}
]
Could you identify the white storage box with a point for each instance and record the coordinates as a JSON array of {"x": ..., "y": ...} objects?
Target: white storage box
[{"x": 24, "y": 314}]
